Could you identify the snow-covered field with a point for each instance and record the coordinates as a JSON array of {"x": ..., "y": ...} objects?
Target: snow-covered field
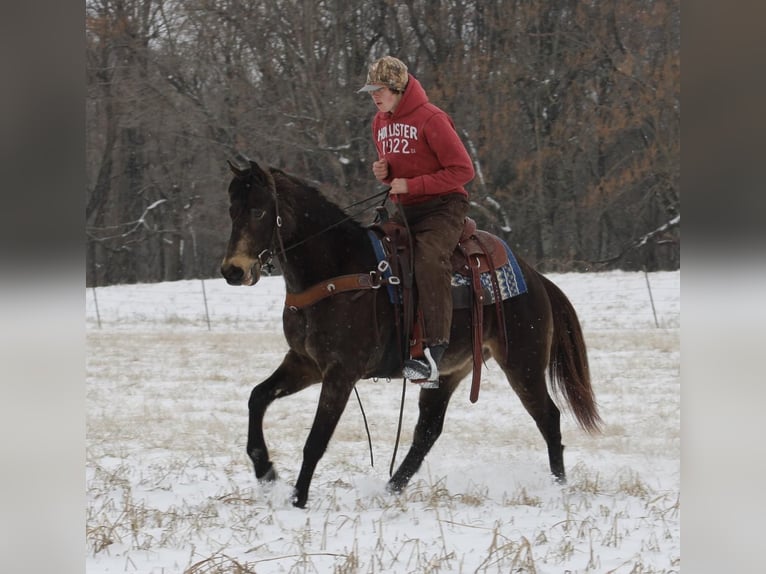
[{"x": 170, "y": 489}]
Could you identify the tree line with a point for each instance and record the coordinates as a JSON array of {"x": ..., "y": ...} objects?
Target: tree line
[{"x": 569, "y": 109}]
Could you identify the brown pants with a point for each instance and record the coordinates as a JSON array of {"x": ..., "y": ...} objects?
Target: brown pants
[{"x": 436, "y": 226}]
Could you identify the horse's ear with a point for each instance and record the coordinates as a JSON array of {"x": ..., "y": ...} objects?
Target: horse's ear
[
  {"x": 240, "y": 165},
  {"x": 260, "y": 175}
]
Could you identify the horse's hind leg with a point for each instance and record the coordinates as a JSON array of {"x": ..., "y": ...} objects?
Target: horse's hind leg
[
  {"x": 524, "y": 367},
  {"x": 548, "y": 420},
  {"x": 294, "y": 374},
  {"x": 433, "y": 406},
  {"x": 529, "y": 384}
]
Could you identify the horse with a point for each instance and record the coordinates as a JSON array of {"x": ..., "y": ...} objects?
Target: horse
[{"x": 344, "y": 337}]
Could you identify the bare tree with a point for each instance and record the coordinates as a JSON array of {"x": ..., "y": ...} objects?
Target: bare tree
[{"x": 570, "y": 111}]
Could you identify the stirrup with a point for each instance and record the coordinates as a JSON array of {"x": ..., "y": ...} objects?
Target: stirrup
[{"x": 422, "y": 371}]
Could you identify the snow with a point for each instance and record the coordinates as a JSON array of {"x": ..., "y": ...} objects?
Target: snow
[{"x": 170, "y": 489}]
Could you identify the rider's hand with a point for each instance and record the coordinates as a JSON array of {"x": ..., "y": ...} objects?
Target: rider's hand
[
  {"x": 380, "y": 169},
  {"x": 398, "y": 186}
]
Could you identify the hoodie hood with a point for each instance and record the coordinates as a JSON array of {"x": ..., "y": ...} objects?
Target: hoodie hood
[{"x": 414, "y": 96}]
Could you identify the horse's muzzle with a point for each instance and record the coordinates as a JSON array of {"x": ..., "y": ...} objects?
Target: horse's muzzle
[{"x": 237, "y": 275}]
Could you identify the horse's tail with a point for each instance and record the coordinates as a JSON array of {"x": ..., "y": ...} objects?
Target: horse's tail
[{"x": 568, "y": 363}]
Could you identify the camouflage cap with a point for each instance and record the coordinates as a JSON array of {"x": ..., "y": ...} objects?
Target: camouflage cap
[{"x": 386, "y": 71}]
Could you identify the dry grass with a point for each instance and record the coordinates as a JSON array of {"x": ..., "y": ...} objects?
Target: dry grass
[{"x": 167, "y": 478}]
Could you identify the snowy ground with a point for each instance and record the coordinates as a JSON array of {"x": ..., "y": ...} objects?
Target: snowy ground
[{"x": 169, "y": 488}]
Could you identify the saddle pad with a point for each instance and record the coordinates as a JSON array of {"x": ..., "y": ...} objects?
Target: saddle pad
[{"x": 510, "y": 279}]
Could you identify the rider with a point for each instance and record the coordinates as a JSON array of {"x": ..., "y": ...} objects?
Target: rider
[{"x": 423, "y": 160}]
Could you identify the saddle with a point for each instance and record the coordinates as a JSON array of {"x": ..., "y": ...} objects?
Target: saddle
[{"x": 477, "y": 252}]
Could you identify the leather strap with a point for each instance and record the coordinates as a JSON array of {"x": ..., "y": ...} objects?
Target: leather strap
[
  {"x": 478, "y": 332},
  {"x": 477, "y": 320},
  {"x": 355, "y": 282},
  {"x": 499, "y": 309}
]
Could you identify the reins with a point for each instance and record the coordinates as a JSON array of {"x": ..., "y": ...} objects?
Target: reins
[
  {"x": 282, "y": 248},
  {"x": 407, "y": 320},
  {"x": 407, "y": 313}
]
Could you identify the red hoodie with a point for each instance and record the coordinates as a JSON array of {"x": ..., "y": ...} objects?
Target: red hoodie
[{"x": 421, "y": 145}]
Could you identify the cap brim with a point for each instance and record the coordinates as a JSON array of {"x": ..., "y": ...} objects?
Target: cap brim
[{"x": 370, "y": 88}]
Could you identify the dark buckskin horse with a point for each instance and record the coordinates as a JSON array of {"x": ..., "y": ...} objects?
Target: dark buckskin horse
[{"x": 344, "y": 337}]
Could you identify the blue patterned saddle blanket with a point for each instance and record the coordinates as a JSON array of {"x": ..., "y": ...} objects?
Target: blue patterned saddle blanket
[{"x": 510, "y": 281}]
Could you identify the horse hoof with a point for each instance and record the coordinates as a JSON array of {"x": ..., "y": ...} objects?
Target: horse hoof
[
  {"x": 269, "y": 476},
  {"x": 299, "y": 501},
  {"x": 395, "y": 487}
]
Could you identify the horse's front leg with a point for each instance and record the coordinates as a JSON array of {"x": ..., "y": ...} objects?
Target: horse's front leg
[
  {"x": 332, "y": 402},
  {"x": 294, "y": 374}
]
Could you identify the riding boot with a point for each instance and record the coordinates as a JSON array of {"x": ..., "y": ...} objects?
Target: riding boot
[{"x": 425, "y": 371}]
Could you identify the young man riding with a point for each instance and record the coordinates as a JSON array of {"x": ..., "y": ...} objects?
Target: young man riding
[{"x": 423, "y": 160}]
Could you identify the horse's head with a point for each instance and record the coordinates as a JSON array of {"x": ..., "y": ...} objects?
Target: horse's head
[{"x": 253, "y": 212}]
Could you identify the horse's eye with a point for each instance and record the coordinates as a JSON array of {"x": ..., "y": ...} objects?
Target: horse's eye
[{"x": 257, "y": 213}]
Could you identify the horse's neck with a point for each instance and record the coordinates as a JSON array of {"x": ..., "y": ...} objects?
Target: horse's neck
[
  {"x": 327, "y": 255},
  {"x": 316, "y": 251}
]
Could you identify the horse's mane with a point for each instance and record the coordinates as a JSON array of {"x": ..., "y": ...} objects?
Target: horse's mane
[{"x": 298, "y": 193}]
